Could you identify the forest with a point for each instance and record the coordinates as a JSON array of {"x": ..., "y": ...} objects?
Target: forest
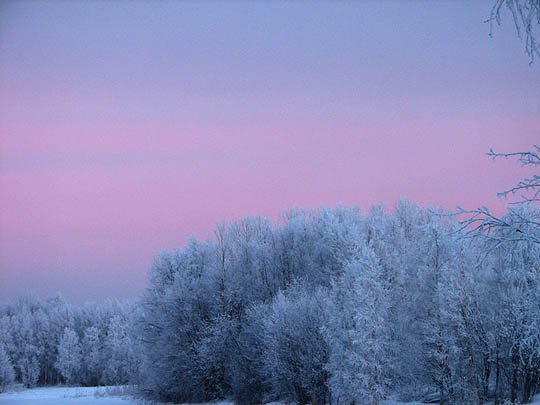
[{"x": 322, "y": 306}]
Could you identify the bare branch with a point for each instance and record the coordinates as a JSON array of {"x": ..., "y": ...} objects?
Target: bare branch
[
  {"x": 521, "y": 222},
  {"x": 526, "y": 18},
  {"x": 513, "y": 227},
  {"x": 528, "y": 189}
]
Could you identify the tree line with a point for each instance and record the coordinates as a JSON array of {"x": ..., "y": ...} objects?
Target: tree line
[
  {"x": 322, "y": 306},
  {"x": 49, "y": 342},
  {"x": 332, "y": 306}
]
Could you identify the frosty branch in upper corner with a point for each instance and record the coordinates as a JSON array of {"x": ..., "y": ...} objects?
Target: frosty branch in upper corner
[
  {"x": 526, "y": 17},
  {"x": 527, "y": 189},
  {"x": 522, "y": 221}
]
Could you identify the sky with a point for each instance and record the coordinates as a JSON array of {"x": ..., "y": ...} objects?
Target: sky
[{"x": 126, "y": 127}]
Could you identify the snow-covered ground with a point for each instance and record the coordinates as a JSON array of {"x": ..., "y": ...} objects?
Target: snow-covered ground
[
  {"x": 115, "y": 395},
  {"x": 68, "y": 396},
  {"x": 99, "y": 396}
]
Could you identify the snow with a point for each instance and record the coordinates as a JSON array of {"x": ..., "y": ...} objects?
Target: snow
[
  {"x": 67, "y": 396},
  {"x": 113, "y": 395}
]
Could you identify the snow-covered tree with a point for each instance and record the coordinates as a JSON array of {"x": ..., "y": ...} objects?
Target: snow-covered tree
[
  {"x": 29, "y": 371},
  {"x": 357, "y": 333},
  {"x": 296, "y": 352},
  {"x": 7, "y": 373},
  {"x": 69, "y": 355},
  {"x": 117, "y": 352},
  {"x": 526, "y": 17},
  {"x": 92, "y": 356}
]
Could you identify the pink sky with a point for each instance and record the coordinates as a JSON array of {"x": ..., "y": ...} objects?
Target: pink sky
[{"x": 126, "y": 127}]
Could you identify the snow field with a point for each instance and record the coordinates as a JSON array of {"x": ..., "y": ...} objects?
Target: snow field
[{"x": 114, "y": 395}]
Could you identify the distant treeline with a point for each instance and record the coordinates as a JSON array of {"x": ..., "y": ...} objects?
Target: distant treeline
[
  {"x": 52, "y": 342},
  {"x": 324, "y": 306}
]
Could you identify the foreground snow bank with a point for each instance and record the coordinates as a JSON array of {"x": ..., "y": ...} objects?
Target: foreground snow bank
[{"x": 118, "y": 395}]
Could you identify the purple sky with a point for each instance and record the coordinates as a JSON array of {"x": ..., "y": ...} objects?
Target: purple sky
[{"x": 126, "y": 127}]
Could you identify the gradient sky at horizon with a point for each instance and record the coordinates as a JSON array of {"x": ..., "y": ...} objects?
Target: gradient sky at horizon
[{"x": 127, "y": 127}]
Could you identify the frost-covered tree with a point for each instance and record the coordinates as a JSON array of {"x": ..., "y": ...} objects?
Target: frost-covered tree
[
  {"x": 7, "y": 373},
  {"x": 357, "y": 333},
  {"x": 296, "y": 352},
  {"x": 92, "y": 356},
  {"x": 117, "y": 352},
  {"x": 27, "y": 351},
  {"x": 31, "y": 331},
  {"x": 175, "y": 314},
  {"x": 29, "y": 371},
  {"x": 526, "y": 17},
  {"x": 516, "y": 268},
  {"x": 69, "y": 355}
]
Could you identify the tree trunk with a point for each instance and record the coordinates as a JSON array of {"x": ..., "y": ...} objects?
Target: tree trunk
[{"x": 515, "y": 375}]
